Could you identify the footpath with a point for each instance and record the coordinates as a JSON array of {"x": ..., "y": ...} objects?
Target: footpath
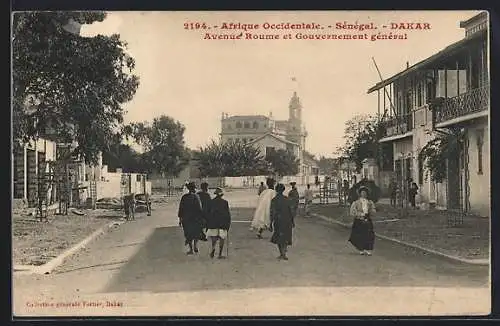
[
  {"x": 39, "y": 247},
  {"x": 426, "y": 230}
]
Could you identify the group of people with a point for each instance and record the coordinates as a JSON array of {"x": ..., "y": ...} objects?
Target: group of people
[
  {"x": 395, "y": 192},
  {"x": 202, "y": 217}
]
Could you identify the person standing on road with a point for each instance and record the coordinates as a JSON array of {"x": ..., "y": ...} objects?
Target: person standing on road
[
  {"x": 206, "y": 201},
  {"x": 218, "y": 222},
  {"x": 261, "y": 188},
  {"x": 282, "y": 219},
  {"x": 190, "y": 218},
  {"x": 412, "y": 193},
  {"x": 293, "y": 195},
  {"x": 308, "y": 198},
  {"x": 262, "y": 216},
  {"x": 362, "y": 235}
]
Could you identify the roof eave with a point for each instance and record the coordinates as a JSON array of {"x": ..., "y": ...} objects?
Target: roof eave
[{"x": 421, "y": 64}]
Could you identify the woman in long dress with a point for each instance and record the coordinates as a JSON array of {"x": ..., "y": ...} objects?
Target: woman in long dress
[
  {"x": 282, "y": 219},
  {"x": 191, "y": 218},
  {"x": 262, "y": 216},
  {"x": 362, "y": 235}
]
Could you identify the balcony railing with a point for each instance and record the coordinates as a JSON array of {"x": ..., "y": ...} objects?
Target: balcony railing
[
  {"x": 473, "y": 101},
  {"x": 398, "y": 125}
]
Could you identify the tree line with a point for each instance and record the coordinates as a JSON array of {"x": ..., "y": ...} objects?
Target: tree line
[{"x": 70, "y": 88}]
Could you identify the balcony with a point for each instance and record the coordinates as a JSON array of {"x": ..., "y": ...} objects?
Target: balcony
[
  {"x": 398, "y": 125},
  {"x": 471, "y": 102}
]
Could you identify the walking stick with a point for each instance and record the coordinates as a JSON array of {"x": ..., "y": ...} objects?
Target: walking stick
[{"x": 227, "y": 245}]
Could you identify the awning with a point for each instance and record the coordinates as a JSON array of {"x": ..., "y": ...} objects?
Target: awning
[{"x": 448, "y": 51}]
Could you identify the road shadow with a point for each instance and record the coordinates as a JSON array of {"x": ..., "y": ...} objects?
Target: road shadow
[{"x": 320, "y": 256}]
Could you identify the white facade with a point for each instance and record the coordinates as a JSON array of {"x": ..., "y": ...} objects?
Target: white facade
[{"x": 265, "y": 132}]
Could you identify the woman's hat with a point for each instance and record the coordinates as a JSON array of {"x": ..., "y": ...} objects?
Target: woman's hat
[
  {"x": 363, "y": 188},
  {"x": 191, "y": 185},
  {"x": 218, "y": 191}
]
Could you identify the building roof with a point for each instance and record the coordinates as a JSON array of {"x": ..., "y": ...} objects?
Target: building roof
[
  {"x": 274, "y": 136},
  {"x": 259, "y": 116},
  {"x": 447, "y": 51},
  {"x": 482, "y": 15}
]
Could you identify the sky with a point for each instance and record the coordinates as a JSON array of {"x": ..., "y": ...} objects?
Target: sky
[{"x": 194, "y": 80}]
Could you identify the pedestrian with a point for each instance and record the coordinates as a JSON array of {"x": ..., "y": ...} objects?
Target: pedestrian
[
  {"x": 262, "y": 187},
  {"x": 308, "y": 199},
  {"x": 262, "y": 215},
  {"x": 282, "y": 220},
  {"x": 218, "y": 222},
  {"x": 293, "y": 195},
  {"x": 393, "y": 191},
  {"x": 345, "y": 190},
  {"x": 205, "y": 200},
  {"x": 412, "y": 193},
  {"x": 190, "y": 218},
  {"x": 362, "y": 235}
]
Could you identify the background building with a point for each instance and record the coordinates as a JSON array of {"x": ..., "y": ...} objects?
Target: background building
[
  {"x": 268, "y": 134},
  {"x": 459, "y": 77}
]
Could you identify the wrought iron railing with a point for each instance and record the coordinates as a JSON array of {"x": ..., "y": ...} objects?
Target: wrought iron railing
[
  {"x": 473, "y": 101},
  {"x": 398, "y": 125}
]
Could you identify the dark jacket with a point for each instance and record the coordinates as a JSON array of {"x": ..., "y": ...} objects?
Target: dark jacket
[
  {"x": 190, "y": 209},
  {"x": 282, "y": 219},
  {"x": 220, "y": 216},
  {"x": 206, "y": 201}
]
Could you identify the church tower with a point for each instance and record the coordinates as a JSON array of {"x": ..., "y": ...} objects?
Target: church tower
[{"x": 295, "y": 130}]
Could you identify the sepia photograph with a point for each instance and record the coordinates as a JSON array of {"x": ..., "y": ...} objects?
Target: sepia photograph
[{"x": 250, "y": 163}]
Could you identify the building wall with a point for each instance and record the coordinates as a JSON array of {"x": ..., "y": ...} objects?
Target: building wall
[
  {"x": 269, "y": 141},
  {"x": 479, "y": 181}
]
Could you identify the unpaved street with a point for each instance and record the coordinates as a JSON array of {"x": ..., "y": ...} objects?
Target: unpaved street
[{"x": 141, "y": 268}]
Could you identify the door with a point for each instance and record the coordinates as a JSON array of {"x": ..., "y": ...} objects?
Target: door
[{"x": 454, "y": 182}]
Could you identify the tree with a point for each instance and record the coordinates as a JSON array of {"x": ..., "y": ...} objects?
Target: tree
[
  {"x": 67, "y": 87},
  {"x": 362, "y": 134},
  {"x": 436, "y": 152},
  {"x": 231, "y": 159},
  {"x": 328, "y": 166},
  {"x": 283, "y": 162},
  {"x": 163, "y": 141},
  {"x": 125, "y": 157}
]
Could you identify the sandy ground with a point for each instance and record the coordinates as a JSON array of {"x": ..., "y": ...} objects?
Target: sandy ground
[{"x": 141, "y": 269}]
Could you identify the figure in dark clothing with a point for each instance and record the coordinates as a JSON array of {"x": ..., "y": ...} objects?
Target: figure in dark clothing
[
  {"x": 190, "y": 218},
  {"x": 293, "y": 195},
  {"x": 282, "y": 220},
  {"x": 205, "y": 202},
  {"x": 393, "y": 192},
  {"x": 218, "y": 222},
  {"x": 412, "y": 193}
]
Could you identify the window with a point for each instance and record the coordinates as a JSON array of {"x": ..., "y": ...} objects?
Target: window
[
  {"x": 419, "y": 94},
  {"x": 246, "y": 125},
  {"x": 138, "y": 178},
  {"x": 229, "y": 126},
  {"x": 255, "y": 125},
  {"x": 480, "y": 140},
  {"x": 269, "y": 150},
  {"x": 238, "y": 124}
]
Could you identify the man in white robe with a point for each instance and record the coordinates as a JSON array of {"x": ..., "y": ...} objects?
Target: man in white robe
[{"x": 262, "y": 216}]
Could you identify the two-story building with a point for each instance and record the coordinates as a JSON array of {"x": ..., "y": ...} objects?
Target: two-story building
[
  {"x": 268, "y": 134},
  {"x": 458, "y": 76}
]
